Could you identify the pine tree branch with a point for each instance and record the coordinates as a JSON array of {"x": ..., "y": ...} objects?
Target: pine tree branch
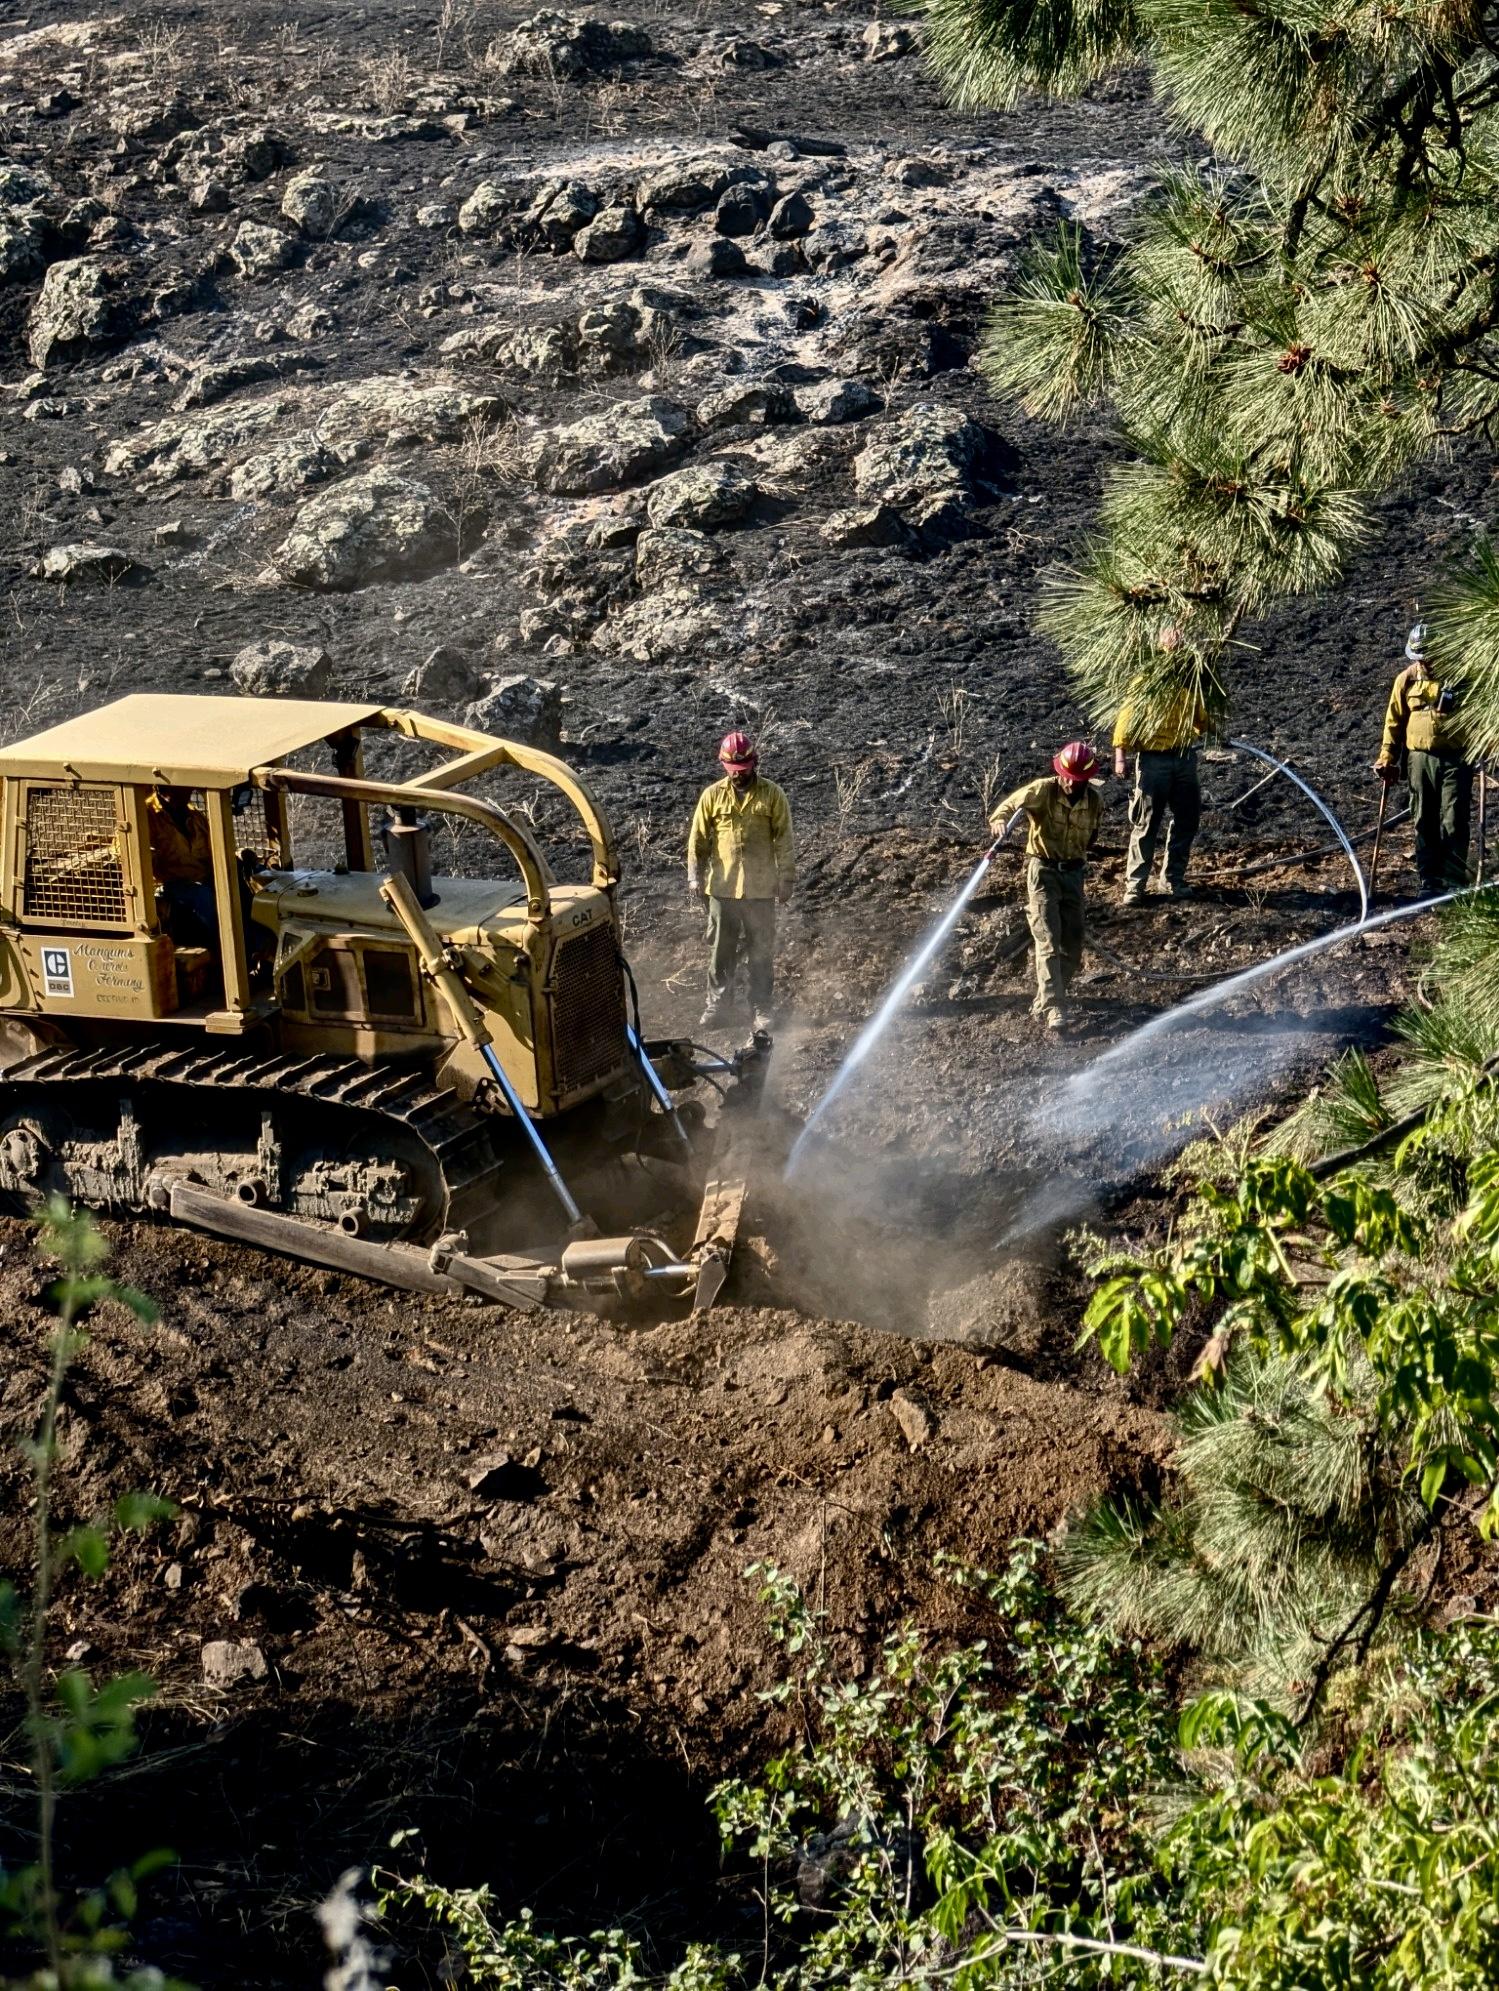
[{"x": 1369, "y": 1616}]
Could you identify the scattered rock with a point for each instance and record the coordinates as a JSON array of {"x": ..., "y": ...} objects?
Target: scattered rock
[
  {"x": 914, "y": 1418},
  {"x": 558, "y": 213},
  {"x": 23, "y": 239},
  {"x": 486, "y": 210},
  {"x": 753, "y": 401},
  {"x": 82, "y": 562},
  {"x": 868, "y": 525},
  {"x": 791, "y": 216},
  {"x": 836, "y": 401},
  {"x": 215, "y": 383},
  {"x": 276, "y": 669},
  {"x": 313, "y": 203},
  {"x": 885, "y": 41},
  {"x": 685, "y": 188},
  {"x": 917, "y": 172},
  {"x": 228, "y": 1661},
  {"x": 257, "y": 251},
  {"x": 525, "y": 709},
  {"x": 445, "y": 677},
  {"x": 373, "y": 527},
  {"x": 435, "y": 214},
  {"x": 741, "y": 209},
  {"x": 833, "y": 245},
  {"x": 717, "y": 257},
  {"x": 621, "y": 445},
  {"x": 501, "y": 1477},
  {"x": 702, "y": 496},
  {"x": 77, "y": 307},
  {"x": 551, "y": 44},
  {"x": 613, "y": 234}
]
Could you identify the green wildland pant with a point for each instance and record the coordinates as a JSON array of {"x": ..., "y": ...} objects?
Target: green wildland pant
[
  {"x": 1054, "y": 910},
  {"x": 1442, "y": 806},
  {"x": 1168, "y": 795},
  {"x": 742, "y": 930}
]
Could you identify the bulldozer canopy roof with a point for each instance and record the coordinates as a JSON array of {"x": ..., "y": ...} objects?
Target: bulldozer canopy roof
[{"x": 180, "y": 741}]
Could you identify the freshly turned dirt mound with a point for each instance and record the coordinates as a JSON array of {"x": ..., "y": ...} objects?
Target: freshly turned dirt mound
[{"x": 515, "y": 1543}]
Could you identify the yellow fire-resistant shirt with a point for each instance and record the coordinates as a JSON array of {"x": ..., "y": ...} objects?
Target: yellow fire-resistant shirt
[
  {"x": 179, "y": 852},
  {"x": 739, "y": 846},
  {"x": 1413, "y": 720},
  {"x": 1184, "y": 725},
  {"x": 1058, "y": 827}
]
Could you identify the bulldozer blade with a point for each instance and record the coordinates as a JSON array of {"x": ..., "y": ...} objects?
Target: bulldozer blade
[
  {"x": 391, "y": 1264},
  {"x": 735, "y": 1147}
]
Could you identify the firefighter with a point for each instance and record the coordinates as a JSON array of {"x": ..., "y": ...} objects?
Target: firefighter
[
  {"x": 1168, "y": 787},
  {"x": 740, "y": 857},
  {"x": 1062, "y": 811},
  {"x": 1419, "y": 727}
]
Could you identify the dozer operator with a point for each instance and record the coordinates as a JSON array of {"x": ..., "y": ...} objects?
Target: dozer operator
[
  {"x": 1420, "y": 732},
  {"x": 436, "y": 1081},
  {"x": 1062, "y": 812}
]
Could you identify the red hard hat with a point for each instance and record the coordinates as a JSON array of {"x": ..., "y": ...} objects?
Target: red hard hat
[
  {"x": 737, "y": 750},
  {"x": 1076, "y": 762}
]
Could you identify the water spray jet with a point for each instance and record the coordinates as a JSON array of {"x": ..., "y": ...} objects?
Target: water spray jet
[{"x": 899, "y": 989}]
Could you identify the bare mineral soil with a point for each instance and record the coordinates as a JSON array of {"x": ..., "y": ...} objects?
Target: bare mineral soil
[{"x": 615, "y": 385}]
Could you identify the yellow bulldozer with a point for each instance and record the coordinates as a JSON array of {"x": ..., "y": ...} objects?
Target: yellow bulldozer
[{"x": 424, "y": 1079}]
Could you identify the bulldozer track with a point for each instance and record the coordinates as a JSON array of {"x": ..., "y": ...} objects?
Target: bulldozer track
[{"x": 457, "y": 1139}]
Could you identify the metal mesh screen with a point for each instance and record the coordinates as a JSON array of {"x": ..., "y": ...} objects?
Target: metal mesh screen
[
  {"x": 589, "y": 1009},
  {"x": 73, "y": 871}
]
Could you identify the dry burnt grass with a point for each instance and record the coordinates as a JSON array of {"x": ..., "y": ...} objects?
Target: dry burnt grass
[{"x": 495, "y": 1564}]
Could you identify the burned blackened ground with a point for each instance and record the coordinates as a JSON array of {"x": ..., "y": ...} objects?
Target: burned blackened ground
[{"x": 616, "y": 388}]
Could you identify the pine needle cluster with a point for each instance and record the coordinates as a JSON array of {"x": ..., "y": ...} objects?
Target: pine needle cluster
[
  {"x": 1297, "y": 319},
  {"x": 1283, "y": 1512}
]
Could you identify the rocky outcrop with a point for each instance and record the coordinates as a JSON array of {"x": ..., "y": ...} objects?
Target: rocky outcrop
[
  {"x": 621, "y": 445},
  {"x": 702, "y": 497},
  {"x": 550, "y": 44},
  {"x": 923, "y": 462},
  {"x": 257, "y": 251},
  {"x": 373, "y": 527},
  {"x": 313, "y": 203}
]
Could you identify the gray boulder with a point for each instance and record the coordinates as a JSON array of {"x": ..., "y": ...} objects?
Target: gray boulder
[
  {"x": 257, "y": 251},
  {"x": 717, "y": 257},
  {"x": 791, "y": 216},
  {"x": 313, "y": 203},
  {"x": 486, "y": 210},
  {"x": 228, "y": 1661},
  {"x": 76, "y": 308},
  {"x": 373, "y": 527},
  {"x": 444, "y": 677},
  {"x": 525, "y": 709},
  {"x": 927, "y": 454},
  {"x": 276, "y": 669},
  {"x": 866, "y": 525},
  {"x": 887, "y": 41},
  {"x": 551, "y": 44},
  {"x": 558, "y": 212},
  {"x": 23, "y": 238},
  {"x": 613, "y": 234},
  {"x": 685, "y": 188},
  {"x": 83, "y": 561},
  {"x": 741, "y": 209},
  {"x": 669, "y": 557},
  {"x": 620, "y": 445},
  {"x": 836, "y": 401},
  {"x": 702, "y": 496},
  {"x": 754, "y": 401}
]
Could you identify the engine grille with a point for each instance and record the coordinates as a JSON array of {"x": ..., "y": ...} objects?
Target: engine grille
[
  {"x": 73, "y": 871},
  {"x": 588, "y": 1009}
]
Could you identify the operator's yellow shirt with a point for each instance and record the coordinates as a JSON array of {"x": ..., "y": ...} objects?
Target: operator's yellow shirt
[
  {"x": 739, "y": 846},
  {"x": 1058, "y": 828},
  {"x": 179, "y": 853},
  {"x": 1413, "y": 719},
  {"x": 1185, "y": 723}
]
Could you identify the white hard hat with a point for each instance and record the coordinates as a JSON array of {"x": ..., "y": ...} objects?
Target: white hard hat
[{"x": 1415, "y": 643}]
